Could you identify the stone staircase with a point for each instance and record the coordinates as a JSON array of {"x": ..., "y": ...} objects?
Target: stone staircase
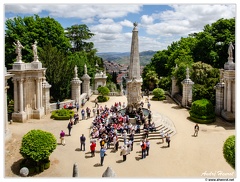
[{"x": 155, "y": 135}]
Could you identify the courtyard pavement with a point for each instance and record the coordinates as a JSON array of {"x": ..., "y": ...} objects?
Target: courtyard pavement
[{"x": 187, "y": 157}]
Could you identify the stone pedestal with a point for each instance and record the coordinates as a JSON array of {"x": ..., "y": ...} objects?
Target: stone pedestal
[
  {"x": 229, "y": 116},
  {"x": 38, "y": 114},
  {"x": 19, "y": 117},
  {"x": 175, "y": 88},
  {"x": 76, "y": 89},
  {"x": 134, "y": 91},
  {"x": 219, "y": 98},
  {"x": 187, "y": 92}
]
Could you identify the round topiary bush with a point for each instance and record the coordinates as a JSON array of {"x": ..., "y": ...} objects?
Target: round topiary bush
[
  {"x": 229, "y": 150},
  {"x": 202, "y": 111},
  {"x": 37, "y": 145},
  {"x": 102, "y": 98},
  {"x": 158, "y": 94},
  {"x": 62, "y": 114}
]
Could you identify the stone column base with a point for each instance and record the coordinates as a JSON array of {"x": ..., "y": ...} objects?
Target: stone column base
[
  {"x": 229, "y": 116},
  {"x": 19, "y": 117},
  {"x": 38, "y": 114},
  {"x": 8, "y": 135}
]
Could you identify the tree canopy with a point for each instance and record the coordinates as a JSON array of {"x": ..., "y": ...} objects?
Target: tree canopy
[
  {"x": 59, "y": 50},
  {"x": 208, "y": 49}
]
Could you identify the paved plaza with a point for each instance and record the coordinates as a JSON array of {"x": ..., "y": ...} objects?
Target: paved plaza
[{"x": 187, "y": 157}]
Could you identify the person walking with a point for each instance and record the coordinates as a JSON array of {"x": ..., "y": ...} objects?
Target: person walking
[
  {"x": 92, "y": 148},
  {"x": 131, "y": 140},
  {"x": 124, "y": 152},
  {"x": 196, "y": 129},
  {"x": 162, "y": 135},
  {"x": 143, "y": 146},
  {"x": 83, "y": 114},
  {"x": 82, "y": 141},
  {"x": 102, "y": 154},
  {"x": 69, "y": 127},
  {"x": 168, "y": 140},
  {"x": 62, "y": 135},
  {"x": 77, "y": 106},
  {"x": 147, "y": 147},
  {"x": 124, "y": 135}
]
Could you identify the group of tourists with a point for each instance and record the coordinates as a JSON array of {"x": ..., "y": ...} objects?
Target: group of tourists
[{"x": 108, "y": 124}]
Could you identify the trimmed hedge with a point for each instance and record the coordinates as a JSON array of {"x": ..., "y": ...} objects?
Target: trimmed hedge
[
  {"x": 62, "y": 114},
  {"x": 37, "y": 146},
  {"x": 202, "y": 111},
  {"x": 158, "y": 98},
  {"x": 102, "y": 98},
  {"x": 229, "y": 150}
]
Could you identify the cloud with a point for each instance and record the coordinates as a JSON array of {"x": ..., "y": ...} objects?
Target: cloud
[
  {"x": 84, "y": 11},
  {"x": 185, "y": 19},
  {"x": 106, "y": 21},
  {"x": 146, "y": 20},
  {"x": 106, "y": 28},
  {"x": 126, "y": 23}
]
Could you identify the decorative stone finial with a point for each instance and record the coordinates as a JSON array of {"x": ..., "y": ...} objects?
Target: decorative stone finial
[
  {"x": 135, "y": 24},
  {"x": 76, "y": 71},
  {"x": 19, "y": 48},
  {"x": 230, "y": 50},
  {"x": 187, "y": 73},
  {"x": 35, "y": 56},
  {"x": 85, "y": 69}
]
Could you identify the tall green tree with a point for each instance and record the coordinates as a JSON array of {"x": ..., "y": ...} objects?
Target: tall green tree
[
  {"x": 44, "y": 30},
  {"x": 78, "y": 35}
]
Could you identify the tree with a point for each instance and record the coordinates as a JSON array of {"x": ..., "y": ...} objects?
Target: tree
[
  {"x": 159, "y": 94},
  {"x": 44, "y": 30},
  {"x": 151, "y": 79},
  {"x": 229, "y": 150},
  {"x": 78, "y": 35},
  {"x": 38, "y": 145},
  {"x": 104, "y": 91},
  {"x": 57, "y": 64},
  {"x": 205, "y": 78}
]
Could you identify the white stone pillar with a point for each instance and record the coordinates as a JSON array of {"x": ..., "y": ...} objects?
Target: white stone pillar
[
  {"x": 21, "y": 95},
  {"x": 6, "y": 110},
  {"x": 225, "y": 94},
  {"x": 37, "y": 93},
  {"x": 229, "y": 96},
  {"x": 41, "y": 92},
  {"x": 15, "y": 82}
]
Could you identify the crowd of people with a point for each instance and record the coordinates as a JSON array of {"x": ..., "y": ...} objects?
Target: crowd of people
[{"x": 108, "y": 124}]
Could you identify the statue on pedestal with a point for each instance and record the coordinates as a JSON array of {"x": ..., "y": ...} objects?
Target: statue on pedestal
[
  {"x": 19, "y": 47},
  {"x": 230, "y": 50},
  {"x": 34, "y": 46},
  {"x": 76, "y": 71}
]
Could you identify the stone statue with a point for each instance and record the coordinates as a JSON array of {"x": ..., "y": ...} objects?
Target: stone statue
[
  {"x": 230, "y": 50},
  {"x": 135, "y": 24},
  {"x": 18, "y": 50},
  {"x": 76, "y": 71},
  {"x": 34, "y": 46},
  {"x": 187, "y": 73},
  {"x": 85, "y": 69}
]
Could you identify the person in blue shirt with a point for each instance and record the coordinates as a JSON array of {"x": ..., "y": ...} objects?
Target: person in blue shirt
[{"x": 102, "y": 154}]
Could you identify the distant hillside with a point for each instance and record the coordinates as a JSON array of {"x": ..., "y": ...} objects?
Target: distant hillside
[{"x": 124, "y": 57}]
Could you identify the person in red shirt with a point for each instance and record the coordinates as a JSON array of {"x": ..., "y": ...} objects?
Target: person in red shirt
[{"x": 92, "y": 148}]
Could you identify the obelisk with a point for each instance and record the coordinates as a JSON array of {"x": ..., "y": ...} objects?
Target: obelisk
[{"x": 134, "y": 82}]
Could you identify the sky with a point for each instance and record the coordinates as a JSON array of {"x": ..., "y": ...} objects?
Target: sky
[{"x": 159, "y": 25}]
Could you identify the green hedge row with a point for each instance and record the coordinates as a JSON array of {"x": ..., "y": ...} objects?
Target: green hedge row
[
  {"x": 202, "y": 111},
  {"x": 202, "y": 121},
  {"x": 158, "y": 98},
  {"x": 62, "y": 114},
  {"x": 229, "y": 150},
  {"x": 102, "y": 98}
]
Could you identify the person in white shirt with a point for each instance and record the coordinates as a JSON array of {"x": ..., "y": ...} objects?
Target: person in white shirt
[{"x": 162, "y": 134}]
